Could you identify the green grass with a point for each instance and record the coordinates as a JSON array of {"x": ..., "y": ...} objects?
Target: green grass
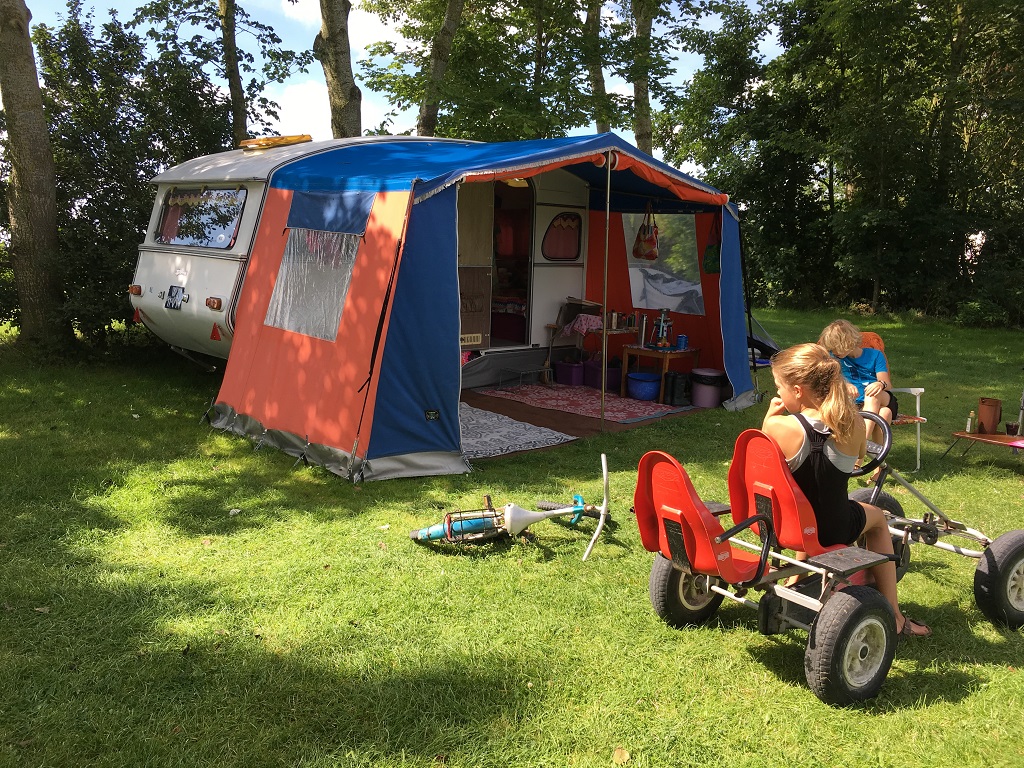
[{"x": 141, "y": 623}]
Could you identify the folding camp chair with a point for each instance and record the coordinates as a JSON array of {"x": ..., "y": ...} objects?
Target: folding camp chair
[{"x": 874, "y": 341}]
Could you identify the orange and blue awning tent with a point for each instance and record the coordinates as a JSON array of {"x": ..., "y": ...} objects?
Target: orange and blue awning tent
[{"x": 346, "y": 349}]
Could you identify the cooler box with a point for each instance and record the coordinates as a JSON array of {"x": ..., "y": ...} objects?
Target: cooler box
[
  {"x": 592, "y": 376},
  {"x": 570, "y": 374},
  {"x": 707, "y": 385}
]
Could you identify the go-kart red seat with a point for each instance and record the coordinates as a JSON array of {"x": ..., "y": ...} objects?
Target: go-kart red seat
[
  {"x": 758, "y": 478},
  {"x": 674, "y": 521}
]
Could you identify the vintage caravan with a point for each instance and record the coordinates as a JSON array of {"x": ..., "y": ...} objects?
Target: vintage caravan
[
  {"x": 355, "y": 286},
  {"x": 203, "y": 229}
]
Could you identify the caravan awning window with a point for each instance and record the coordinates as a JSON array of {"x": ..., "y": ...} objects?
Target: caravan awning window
[
  {"x": 312, "y": 283},
  {"x": 201, "y": 216},
  {"x": 672, "y": 281}
]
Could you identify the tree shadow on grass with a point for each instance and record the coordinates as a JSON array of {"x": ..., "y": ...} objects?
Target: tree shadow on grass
[{"x": 158, "y": 671}]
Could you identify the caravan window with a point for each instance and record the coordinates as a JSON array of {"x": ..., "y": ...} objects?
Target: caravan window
[
  {"x": 201, "y": 216},
  {"x": 563, "y": 240},
  {"x": 672, "y": 281},
  {"x": 312, "y": 283}
]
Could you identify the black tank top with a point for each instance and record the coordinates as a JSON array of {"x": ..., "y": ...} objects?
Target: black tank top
[{"x": 825, "y": 486}]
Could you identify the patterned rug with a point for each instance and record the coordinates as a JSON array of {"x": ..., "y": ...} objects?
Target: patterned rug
[
  {"x": 584, "y": 401},
  {"x": 491, "y": 434}
]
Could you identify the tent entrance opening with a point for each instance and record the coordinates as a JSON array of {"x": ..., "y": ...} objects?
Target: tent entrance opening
[{"x": 495, "y": 258}]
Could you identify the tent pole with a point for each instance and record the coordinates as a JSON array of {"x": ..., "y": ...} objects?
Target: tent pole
[
  {"x": 604, "y": 284},
  {"x": 746, "y": 299}
]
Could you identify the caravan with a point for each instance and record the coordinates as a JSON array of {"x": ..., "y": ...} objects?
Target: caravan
[{"x": 355, "y": 286}]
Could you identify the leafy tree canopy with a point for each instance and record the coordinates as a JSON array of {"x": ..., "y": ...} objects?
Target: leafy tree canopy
[{"x": 117, "y": 117}]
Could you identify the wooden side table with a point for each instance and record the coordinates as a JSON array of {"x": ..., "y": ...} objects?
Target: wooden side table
[{"x": 665, "y": 354}]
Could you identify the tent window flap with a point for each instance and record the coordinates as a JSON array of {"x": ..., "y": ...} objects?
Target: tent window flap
[{"x": 312, "y": 283}]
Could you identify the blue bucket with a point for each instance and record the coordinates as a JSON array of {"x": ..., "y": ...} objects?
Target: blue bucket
[{"x": 643, "y": 386}]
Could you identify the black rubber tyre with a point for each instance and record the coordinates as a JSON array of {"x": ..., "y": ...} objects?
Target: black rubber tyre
[
  {"x": 680, "y": 599},
  {"x": 851, "y": 646},
  {"x": 895, "y": 509},
  {"x": 999, "y": 581}
]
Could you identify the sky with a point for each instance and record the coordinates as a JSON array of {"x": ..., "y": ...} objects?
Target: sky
[{"x": 303, "y": 97}]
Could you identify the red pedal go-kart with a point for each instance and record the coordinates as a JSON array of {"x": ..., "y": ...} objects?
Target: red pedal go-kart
[{"x": 851, "y": 627}]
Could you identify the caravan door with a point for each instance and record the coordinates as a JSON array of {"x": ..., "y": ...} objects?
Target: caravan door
[{"x": 560, "y": 248}]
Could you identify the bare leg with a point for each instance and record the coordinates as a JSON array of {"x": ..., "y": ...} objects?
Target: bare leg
[
  {"x": 876, "y": 404},
  {"x": 878, "y": 539},
  {"x": 792, "y": 580}
]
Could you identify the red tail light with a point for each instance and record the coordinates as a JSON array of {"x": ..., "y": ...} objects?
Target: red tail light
[
  {"x": 215, "y": 303},
  {"x": 135, "y": 290}
]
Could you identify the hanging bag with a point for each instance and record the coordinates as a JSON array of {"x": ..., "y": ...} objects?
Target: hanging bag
[{"x": 646, "y": 244}]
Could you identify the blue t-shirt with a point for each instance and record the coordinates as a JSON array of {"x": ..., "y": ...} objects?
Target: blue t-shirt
[{"x": 861, "y": 371}]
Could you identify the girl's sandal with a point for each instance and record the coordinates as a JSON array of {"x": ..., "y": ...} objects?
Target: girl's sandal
[{"x": 908, "y": 631}]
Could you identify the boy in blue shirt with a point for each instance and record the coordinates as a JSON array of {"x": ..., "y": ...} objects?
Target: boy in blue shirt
[{"x": 865, "y": 370}]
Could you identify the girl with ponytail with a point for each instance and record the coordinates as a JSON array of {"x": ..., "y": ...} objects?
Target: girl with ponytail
[{"x": 822, "y": 436}]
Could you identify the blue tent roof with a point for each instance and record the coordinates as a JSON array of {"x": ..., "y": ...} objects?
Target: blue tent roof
[{"x": 433, "y": 165}]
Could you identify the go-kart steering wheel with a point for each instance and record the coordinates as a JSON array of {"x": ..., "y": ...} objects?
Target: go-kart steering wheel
[{"x": 883, "y": 449}]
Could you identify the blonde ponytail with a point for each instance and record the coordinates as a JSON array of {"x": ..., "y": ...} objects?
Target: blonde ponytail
[{"x": 818, "y": 373}]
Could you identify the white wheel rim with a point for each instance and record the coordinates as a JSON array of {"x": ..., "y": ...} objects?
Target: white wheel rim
[
  {"x": 864, "y": 652},
  {"x": 1015, "y": 586},
  {"x": 694, "y": 591}
]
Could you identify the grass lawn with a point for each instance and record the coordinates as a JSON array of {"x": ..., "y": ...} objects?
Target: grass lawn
[{"x": 169, "y": 596}]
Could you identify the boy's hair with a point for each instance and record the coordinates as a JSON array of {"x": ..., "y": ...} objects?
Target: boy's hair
[
  {"x": 841, "y": 337},
  {"x": 819, "y": 374}
]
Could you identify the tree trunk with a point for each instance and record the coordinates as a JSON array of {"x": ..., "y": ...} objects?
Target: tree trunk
[
  {"x": 332, "y": 50},
  {"x": 239, "y": 127},
  {"x": 440, "y": 52},
  {"x": 32, "y": 195},
  {"x": 643, "y": 20},
  {"x": 540, "y": 58},
  {"x": 595, "y": 68}
]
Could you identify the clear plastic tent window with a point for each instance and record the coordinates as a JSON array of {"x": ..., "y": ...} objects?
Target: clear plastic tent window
[
  {"x": 312, "y": 283},
  {"x": 672, "y": 281}
]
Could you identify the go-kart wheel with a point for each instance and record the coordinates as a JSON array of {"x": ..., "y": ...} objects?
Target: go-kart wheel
[
  {"x": 892, "y": 508},
  {"x": 999, "y": 580},
  {"x": 680, "y": 599},
  {"x": 850, "y": 646},
  {"x": 883, "y": 448}
]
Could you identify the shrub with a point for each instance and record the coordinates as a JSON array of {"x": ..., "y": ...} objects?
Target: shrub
[{"x": 981, "y": 313}]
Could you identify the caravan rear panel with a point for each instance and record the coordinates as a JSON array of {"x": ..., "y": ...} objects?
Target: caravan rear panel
[{"x": 193, "y": 260}]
